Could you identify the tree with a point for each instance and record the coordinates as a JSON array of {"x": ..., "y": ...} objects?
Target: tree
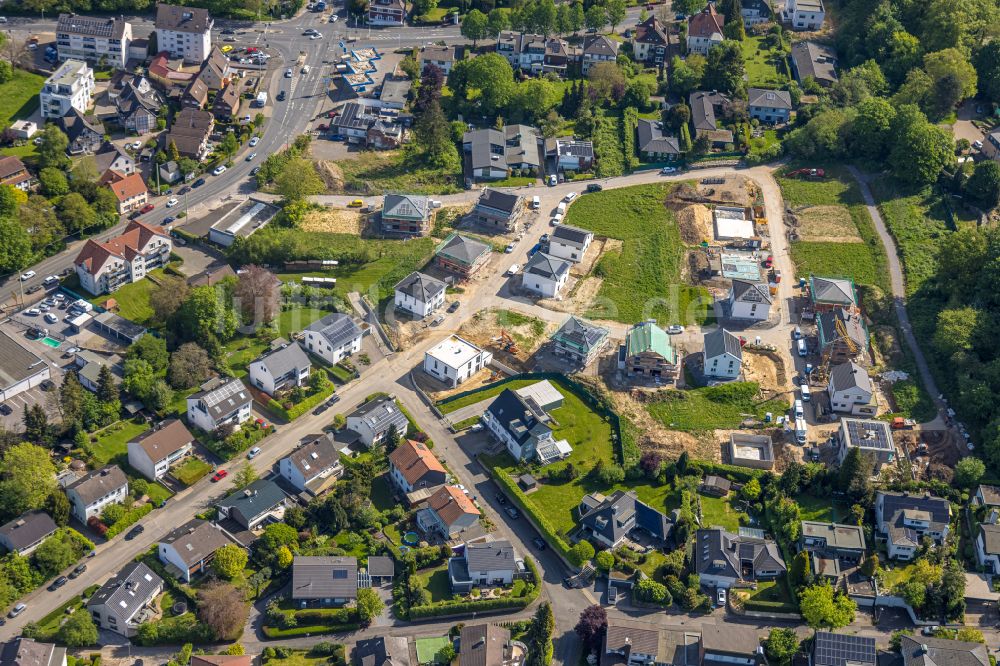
[
  {"x": 205, "y": 317},
  {"x": 36, "y": 424},
  {"x": 160, "y": 395},
  {"x": 543, "y": 17},
  {"x": 446, "y": 654},
  {"x": 52, "y": 147},
  {"x": 57, "y": 506},
  {"x": 235, "y": 649},
  {"x": 969, "y": 471},
  {"x": 283, "y": 557},
  {"x": 167, "y": 297},
  {"x": 607, "y": 81},
  {"x": 921, "y": 150},
  {"x": 422, "y": 7},
  {"x": 245, "y": 477},
  {"x": 616, "y": 12},
  {"x": 369, "y": 605},
  {"x": 433, "y": 137},
  {"x": 107, "y": 389},
  {"x": 649, "y": 590},
  {"x": 78, "y": 631},
  {"x": 688, "y": 7},
  {"x": 75, "y": 213},
  {"x": 605, "y": 560},
  {"x": 870, "y": 566},
  {"x": 596, "y": 17},
  {"x": 229, "y": 561},
  {"x": 591, "y": 626},
  {"x": 988, "y": 70},
  {"x": 257, "y": 290},
  {"x": 869, "y": 135},
  {"x": 821, "y": 607},
  {"x": 222, "y": 608},
  {"x": 535, "y": 98},
  {"x": 855, "y": 473},
  {"x": 800, "y": 572},
  {"x": 984, "y": 184},
  {"x": 475, "y": 26},
  {"x": 431, "y": 83},
  {"x": 580, "y": 553},
  {"x": 11, "y": 199},
  {"x": 138, "y": 378},
  {"x": 970, "y": 635},
  {"x": 956, "y": 328},
  {"x": 15, "y": 246},
  {"x": 780, "y": 646},
  {"x": 539, "y": 636},
  {"x": 488, "y": 77},
  {"x": 53, "y": 182},
  {"x": 735, "y": 29},
  {"x": 724, "y": 68},
  {"x": 497, "y": 22},
  {"x": 54, "y": 555},
  {"x": 229, "y": 145},
  {"x": 298, "y": 179},
  {"x": 6, "y": 71},
  {"x": 189, "y": 366},
  {"x": 751, "y": 490},
  {"x": 151, "y": 349},
  {"x": 576, "y": 17}
]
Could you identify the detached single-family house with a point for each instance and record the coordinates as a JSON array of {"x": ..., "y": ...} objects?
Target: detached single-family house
[
  {"x": 598, "y": 49},
  {"x": 126, "y": 601},
  {"x": 925, "y": 650},
  {"x": 130, "y": 190},
  {"x": 706, "y": 107},
  {"x": 283, "y": 369},
  {"x": 374, "y": 419},
  {"x": 412, "y": 466},
  {"x": 654, "y": 144},
  {"x": 137, "y": 104},
  {"x": 648, "y": 355},
  {"x": 770, "y": 106},
  {"x": 609, "y": 520},
  {"x": 649, "y": 43},
  {"x": 804, "y": 14},
  {"x": 406, "y": 214},
  {"x": 486, "y": 564},
  {"x": 170, "y": 172},
  {"x": 314, "y": 466},
  {"x": 85, "y": 133},
  {"x": 569, "y": 154},
  {"x": 723, "y": 354},
  {"x": 755, "y": 12},
  {"x": 705, "y": 30},
  {"x": 189, "y": 549},
  {"x": 750, "y": 300},
  {"x": 382, "y": 651},
  {"x": 832, "y": 547},
  {"x": 442, "y": 57},
  {"x": 27, "y": 532},
  {"x": 248, "y": 508},
  {"x": 730, "y": 643},
  {"x": 569, "y": 243},
  {"x": 190, "y": 132},
  {"x": 333, "y": 338},
  {"x": 449, "y": 512},
  {"x": 988, "y": 547},
  {"x": 630, "y": 645},
  {"x": 874, "y": 438},
  {"x": 26, "y": 652},
  {"x": 155, "y": 451},
  {"x": 814, "y": 61},
  {"x": 851, "y": 390},
  {"x": 221, "y": 400},
  {"x": 460, "y": 255},
  {"x": 387, "y": 12},
  {"x": 829, "y": 294},
  {"x": 14, "y": 173},
  {"x": 487, "y": 645},
  {"x": 419, "y": 294},
  {"x": 89, "y": 364},
  {"x": 904, "y": 520},
  {"x": 89, "y": 494},
  {"x": 723, "y": 558},
  {"x": 455, "y": 359},
  {"x": 545, "y": 275},
  {"x": 988, "y": 496},
  {"x": 519, "y": 423},
  {"x": 324, "y": 581},
  {"x": 830, "y": 649},
  {"x": 579, "y": 341},
  {"x": 499, "y": 210}
]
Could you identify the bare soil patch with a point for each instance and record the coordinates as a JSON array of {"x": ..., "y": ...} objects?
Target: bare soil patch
[
  {"x": 733, "y": 191},
  {"x": 768, "y": 370},
  {"x": 528, "y": 332},
  {"x": 830, "y": 224},
  {"x": 933, "y": 453},
  {"x": 438, "y": 391},
  {"x": 695, "y": 223},
  {"x": 333, "y": 221},
  {"x": 331, "y": 174},
  {"x": 594, "y": 252}
]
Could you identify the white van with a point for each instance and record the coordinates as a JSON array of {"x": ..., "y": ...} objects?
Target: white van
[
  {"x": 561, "y": 208},
  {"x": 806, "y": 393},
  {"x": 798, "y": 409},
  {"x": 536, "y": 203},
  {"x": 800, "y": 431},
  {"x": 801, "y": 345}
]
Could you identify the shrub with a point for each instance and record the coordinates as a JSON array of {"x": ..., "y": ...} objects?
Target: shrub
[{"x": 128, "y": 519}]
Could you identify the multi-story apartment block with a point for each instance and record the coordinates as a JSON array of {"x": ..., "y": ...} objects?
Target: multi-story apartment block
[
  {"x": 184, "y": 32},
  {"x": 387, "y": 12},
  {"x": 93, "y": 39},
  {"x": 104, "y": 267},
  {"x": 70, "y": 87}
]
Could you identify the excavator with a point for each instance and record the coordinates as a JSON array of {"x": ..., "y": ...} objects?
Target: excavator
[{"x": 806, "y": 173}]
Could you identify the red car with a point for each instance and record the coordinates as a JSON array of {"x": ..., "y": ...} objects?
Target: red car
[
  {"x": 219, "y": 475},
  {"x": 146, "y": 209},
  {"x": 769, "y": 261}
]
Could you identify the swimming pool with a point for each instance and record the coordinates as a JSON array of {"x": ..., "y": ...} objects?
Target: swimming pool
[{"x": 51, "y": 342}]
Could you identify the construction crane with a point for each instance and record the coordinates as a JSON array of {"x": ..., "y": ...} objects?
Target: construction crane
[{"x": 842, "y": 331}]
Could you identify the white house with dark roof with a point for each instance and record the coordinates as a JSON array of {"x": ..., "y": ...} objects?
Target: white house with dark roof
[
  {"x": 569, "y": 243},
  {"x": 188, "y": 550},
  {"x": 723, "y": 354},
  {"x": 283, "y": 369},
  {"x": 521, "y": 425},
  {"x": 442, "y": 57},
  {"x": 770, "y": 106},
  {"x": 650, "y": 42},
  {"x": 26, "y": 652},
  {"x": 488, "y": 563},
  {"x": 750, "y": 300},
  {"x": 545, "y": 275},
  {"x": 850, "y": 389},
  {"x": 248, "y": 508},
  {"x": 818, "y": 62},
  {"x": 654, "y": 143},
  {"x": 609, "y": 520},
  {"x": 419, "y": 294},
  {"x": 804, "y": 14},
  {"x": 755, "y": 12},
  {"x": 705, "y": 30},
  {"x": 874, "y": 438},
  {"x": 407, "y": 214},
  {"x": 903, "y": 521},
  {"x": 71, "y": 86},
  {"x": 374, "y": 419},
  {"x": 455, "y": 359},
  {"x": 570, "y": 154},
  {"x": 314, "y": 466},
  {"x": 988, "y": 547},
  {"x": 126, "y": 601},
  {"x": 929, "y": 651},
  {"x": 155, "y": 451},
  {"x": 184, "y": 32},
  {"x": 580, "y": 342},
  {"x": 598, "y": 49},
  {"x": 221, "y": 400},
  {"x": 723, "y": 558},
  {"x": 89, "y": 494},
  {"x": 324, "y": 581},
  {"x": 333, "y": 338},
  {"x": 27, "y": 532},
  {"x": 498, "y": 209}
]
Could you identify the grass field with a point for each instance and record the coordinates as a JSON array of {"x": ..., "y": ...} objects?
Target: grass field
[
  {"x": 764, "y": 67},
  {"x": 427, "y": 648},
  {"x": 720, "y": 512},
  {"x": 382, "y": 493},
  {"x": 643, "y": 280},
  {"x": 191, "y": 470},
  {"x": 374, "y": 172},
  {"x": 488, "y": 392},
  {"x": 299, "y": 658},
  {"x": 133, "y": 299},
  {"x": 113, "y": 440},
  {"x": 158, "y": 493},
  {"x": 297, "y": 319},
  {"x": 19, "y": 96},
  {"x": 712, "y": 408},
  {"x": 436, "y": 582}
]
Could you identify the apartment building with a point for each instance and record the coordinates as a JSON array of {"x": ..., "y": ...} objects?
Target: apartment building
[
  {"x": 184, "y": 32},
  {"x": 70, "y": 87},
  {"x": 93, "y": 39}
]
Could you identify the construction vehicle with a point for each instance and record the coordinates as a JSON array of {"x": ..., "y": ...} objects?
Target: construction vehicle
[
  {"x": 507, "y": 343},
  {"x": 806, "y": 173},
  {"x": 899, "y": 423}
]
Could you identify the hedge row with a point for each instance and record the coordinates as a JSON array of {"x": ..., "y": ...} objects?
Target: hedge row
[
  {"x": 275, "y": 633},
  {"x": 131, "y": 517},
  {"x": 326, "y": 615},
  {"x": 512, "y": 490},
  {"x": 463, "y": 607},
  {"x": 769, "y": 606},
  {"x": 732, "y": 472},
  {"x": 297, "y": 410}
]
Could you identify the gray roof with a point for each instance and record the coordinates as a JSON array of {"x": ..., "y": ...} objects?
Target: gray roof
[
  {"x": 26, "y": 652},
  {"x": 720, "y": 553},
  {"x": 168, "y": 437},
  {"x": 569, "y": 235},
  {"x": 182, "y": 19},
  {"x": 850, "y": 375},
  {"x": 894, "y": 504},
  {"x": 990, "y": 533},
  {"x": 731, "y": 638},
  {"x": 831, "y": 649},
  {"x": 503, "y": 201},
  {"x": 420, "y": 287},
  {"x": 130, "y": 589},
  {"x": 380, "y": 413},
  {"x": 481, "y": 143},
  {"x": 520, "y": 418},
  {"x": 628, "y": 637},
  {"x": 74, "y": 124},
  {"x": 460, "y": 248},
  {"x": 521, "y": 145},
  {"x": 28, "y": 528},
  {"x": 483, "y": 645},
  {"x": 438, "y": 53},
  {"x": 16, "y": 362},
  {"x": 255, "y": 500},
  {"x": 395, "y": 90},
  {"x": 770, "y": 99},
  {"x": 196, "y": 540},
  {"x": 546, "y": 266},
  {"x": 337, "y": 328},
  {"x": 851, "y": 537},
  {"x": 991, "y": 494},
  {"x": 490, "y": 556},
  {"x": 324, "y": 578},
  {"x": 222, "y": 396},
  {"x": 751, "y": 291},
  {"x": 703, "y": 108},
  {"x": 93, "y": 363},
  {"x": 942, "y": 652},
  {"x": 652, "y": 138},
  {"x": 838, "y": 291},
  {"x": 381, "y": 565},
  {"x": 98, "y": 483},
  {"x": 91, "y": 26},
  {"x": 600, "y": 45},
  {"x": 720, "y": 341},
  {"x": 815, "y": 60},
  {"x": 285, "y": 359},
  {"x": 581, "y": 333},
  {"x": 121, "y": 326},
  {"x": 405, "y": 206},
  {"x": 382, "y": 651},
  {"x": 826, "y": 324},
  {"x": 319, "y": 453}
]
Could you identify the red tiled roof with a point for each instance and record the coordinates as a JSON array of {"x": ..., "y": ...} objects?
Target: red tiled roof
[
  {"x": 450, "y": 504},
  {"x": 128, "y": 187},
  {"x": 706, "y": 23},
  {"x": 128, "y": 245},
  {"x": 413, "y": 460}
]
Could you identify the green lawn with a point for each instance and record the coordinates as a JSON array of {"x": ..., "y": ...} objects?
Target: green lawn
[
  {"x": 489, "y": 392},
  {"x": 773, "y": 592},
  {"x": 340, "y": 373},
  {"x": 240, "y": 351},
  {"x": 352, "y": 543},
  {"x": 191, "y": 470},
  {"x": 436, "y": 582},
  {"x": 718, "y": 511},
  {"x": 133, "y": 299},
  {"x": 642, "y": 281},
  {"x": 428, "y": 647},
  {"x": 765, "y": 68},
  {"x": 112, "y": 441},
  {"x": 299, "y": 658},
  {"x": 158, "y": 493},
  {"x": 296, "y": 319},
  {"x": 19, "y": 96},
  {"x": 815, "y": 508},
  {"x": 381, "y": 495},
  {"x": 712, "y": 408},
  {"x": 374, "y": 172}
]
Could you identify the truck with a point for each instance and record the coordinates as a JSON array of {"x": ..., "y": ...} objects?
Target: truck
[
  {"x": 899, "y": 423},
  {"x": 800, "y": 430},
  {"x": 261, "y": 99}
]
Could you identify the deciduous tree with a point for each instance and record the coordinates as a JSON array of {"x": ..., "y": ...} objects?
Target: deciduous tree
[
  {"x": 591, "y": 626},
  {"x": 229, "y": 561},
  {"x": 189, "y": 366},
  {"x": 821, "y": 607},
  {"x": 369, "y": 605},
  {"x": 222, "y": 608},
  {"x": 27, "y": 478}
]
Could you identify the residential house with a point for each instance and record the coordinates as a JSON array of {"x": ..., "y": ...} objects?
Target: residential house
[
  {"x": 648, "y": 354},
  {"x": 755, "y": 12},
  {"x": 814, "y": 61},
  {"x": 987, "y": 547},
  {"x": 155, "y": 451},
  {"x": 654, "y": 144},
  {"x": 282, "y": 369},
  {"x": 903, "y": 521},
  {"x": 925, "y": 651},
  {"x": 851, "y": 390},
  {"x": 170, "y": 172},
  {"x": 874, "y": 438},
  {"x": 382, "y": 651},
  {"x": 991, "y": 145},
  {"x": 569, "y": 243},
  {"x": 715, "y": 486},
  {"x": 832, "y": 547},
  {"x": 368, "y": 125},
  {"x": 314, "y": 466},
  {"x": 113, "y": 162},
  {"x": 750, "y": 299},
  {"x": 487, "y": 645},
  {"x": 569, "y": 154},
  {"x": 520, "y": 424},
  {"x": 184, "y": 32},
  {"x": 189, "y": 549},
  {"x": 14, "y": 173},
  {"x": 215, "y": 70},
  {"x": 988, "y": 496},
  {"x": 455, "y": 359},
  {"x": 374, "y": 420},
  {"x": 27, "y": 532},
  {"x": 449, "y": 512},
  {"x": 523, "y": 51},
  {"x": 754, "y": 451},
  {"x": 92, "y": 492},
  {"x": 408, "y": 214},
  {"x": 829, "y": 294},
  {"x": 190, "y": 132},
  {"x": 126, "y": 601},
  {"x": 70, "y": 87},
  {"x": 485, "y": 564},
  {"x": 212, "y": 275},
  {"x": 419, "y": 294},
  {"x": 227, "y": 102},
  {"x": 804, "y": 14},
  {"x": 88, "y": 367},
  {"x": 324, "y": 581},
  {"x": 221, "y": 400},
  {"x": 138, "y": 104},
  {"x": 598, "y": 49},
  {"x": 85, "y": 133},
  {"x": 23, "y": 129},
  {"x": 559, "y": 55},
  {"x": 196, "y": 95},
  {"x": 770, "y": 106},
  {"x": 723, "y": 558},
  {"x": 706, "y": 107},
  {"x": 93, "y": 39},
  {"x": 26, "y": 652},
  {"x": 387, "y": 12},
  {"x": 580, "y": 342},
  {"x": 842, "y": 336},
  {"x": 649, "y": 43},
  {"x": 499, "y": 210},
  {"x": 491, "y": 154},
  {"x": 545, "y": 275},
  {"x": 723, "y": 354},
  {"x": 442, "y": 57},
  {"x": 130, "y": 191},
  {"x": 630, "y": 645},
  {"x": 249, "y": 508},
  {"x": 395, "y": 92},
  {"x": 412, "y": 465},
  {"x": 461, "y": 255},
  {"x": 705, "y": 30},
  {"x": 333, "y": 338},
  {"x": 830, "y": 649},
  {"x": 609, "y": 520}
]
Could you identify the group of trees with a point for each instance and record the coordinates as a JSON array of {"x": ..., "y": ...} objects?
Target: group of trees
[{"x": 543, "y": 17}]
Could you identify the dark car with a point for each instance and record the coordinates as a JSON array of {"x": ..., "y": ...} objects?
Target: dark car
[
  {"x": 47, "y": 385},
  {"x": 227, "y": 31},
  {"x": 513, "y": 513},
  {"x": 454, "y": 306},
  {"x": 594, "y": 187},
  {"x": 134, "y": 532},
  {"x": 5, "y": 409},
  {"x": 78, "y": 571},
  {"x": 501, "y": 498},
  {"x": 322, "y": 408},
  {"x": 198, "y": 183},
  {"x": 281, "y": 96},
  {"x": 539, "y": 543},
  {"x": 168, "y": 219},
  {"x": 184, "y": 190},
  {"x": 57, "y": 583},
  {"x": 254, "y": 171}
]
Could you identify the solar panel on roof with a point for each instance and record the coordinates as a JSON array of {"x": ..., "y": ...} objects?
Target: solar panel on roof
[{"x": 752, "y": 532}]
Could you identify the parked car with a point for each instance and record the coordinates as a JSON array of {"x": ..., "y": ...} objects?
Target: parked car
[
  {"x": 666, "y": 171},
  {"x": 513, "y": 270},
  {"x": 476, "y": 427},
  {"x": 501, "y": 498},
  {"x": 17, "y": 610},
  {"x": 553, "y": 180},
  {"x": 570, "y": 196},
  {"x": 253, "y": 453},
  {"x": 281, "y": 96},
  {"x": 78, "y": 571},
  {"x": 47, "y": 385},
  {"x": 288, "y": 73},
  {"x": 721, "y": 596},
  {"x": 51, "y": 318},
  {"x": 198, "y": 183},
  {"x": 513, "y": 513},
  {"x": 134, "y": 532},
  {"x": 251, "y": 157},
  {"x": 219, "y": 170},
  {"x": 27, "y": 275},
  {"x": 254, "y": 171},
  {"x": 357, "y": 203},
  {"x": 168, "y": 219},
  {"x": 32, "y": 312},
  {"x": 172, "y": 201},
  {"x": 145, "y": 209},
  {"x": 254, "y": 141},
  {"x": 509, "y": 248},
  {"x": 454, "y": 306},
  {"x": 675, "y": 329},
  {"x": 5, "y": 409},
  {"x": 539, "y": 543},
  {"x": 57, "y": 583},
  {"x": 594, "y": 187},
  {"x": 219, "y": 475}
]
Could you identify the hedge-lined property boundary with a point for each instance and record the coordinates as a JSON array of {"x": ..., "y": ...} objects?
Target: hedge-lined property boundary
[
  {"x": 300, "y": 408},
  {"x": 131, "y": 517},
  {"x": 445, "y": 609}
]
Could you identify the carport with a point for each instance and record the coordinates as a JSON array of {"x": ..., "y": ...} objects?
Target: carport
[{"x": 20, "y": 369}]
